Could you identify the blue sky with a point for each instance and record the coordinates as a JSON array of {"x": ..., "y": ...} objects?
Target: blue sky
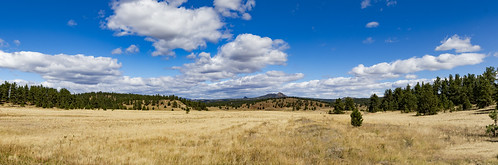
[{"x": 236, "y": 48}]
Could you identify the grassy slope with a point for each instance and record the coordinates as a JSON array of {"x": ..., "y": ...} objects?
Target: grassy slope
[{"x": 227, "y": 137}]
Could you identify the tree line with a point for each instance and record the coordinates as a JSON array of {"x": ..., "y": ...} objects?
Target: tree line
[
  {"x": 46, "y": 97},
  {"x": 452, "y": 93}
]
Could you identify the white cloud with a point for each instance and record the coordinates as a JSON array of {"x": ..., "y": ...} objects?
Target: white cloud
[
  {"x": 192, "y": 55},
  {"x": 235, "y": 8},
  {"x": 410, "y": 76},
  {"x": 246, "y": 54},
  {"x": 166, "y": 23},
  {"x": 117, "y": 51},
  {"x": 369, "y": 40},
  {"x": 71, "y": 23},
  {"x": 72, "y": 68},
  {"x": 365, "y": 4},
  {"x": 17, "y": 42},
  {"x": 132, "y": 49},
  {"x": 372, "y": 24},
  {"x": 495, "y": 54},
  {"x": 343, "y": 86},
  {"x": 460, "y": 45},
  {"x": 399, "y": 67}
]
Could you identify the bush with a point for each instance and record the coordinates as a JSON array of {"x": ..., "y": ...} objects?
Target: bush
[
  {"x": 493, "y": 128},
  {"x": 356, "y": 118}
]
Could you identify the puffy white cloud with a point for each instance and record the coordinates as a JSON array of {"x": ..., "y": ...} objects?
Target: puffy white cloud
[
  {"x": 132, "y": 49},
  {"x": 248, "y": 53},
  {"x": 117, "y": 51},
  {"x": 72, "y": 68},
  {"x": 339, "y": 87},
  {"x": 460, "y": 45},
  {"x": 365, "y": 4},
  {"x": 369, "y": 40},
  {"x": 372, "y": 24},
  {"x": 71, "y": 22},
  {"x": 17, "y": 42},
  {"x": 166, "y": 23},
  {"x": 235, "y": 8},
  {"x": 412, "y": 65}
]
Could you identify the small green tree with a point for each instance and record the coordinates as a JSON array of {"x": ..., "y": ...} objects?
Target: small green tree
[
  {"x": 374, "y": 103},
  {"x": 338, "y": 106},
  {"x": 356, "y": 118},
  {"x": 349, "y": 104},
  {"x": 493, "y": 128}
]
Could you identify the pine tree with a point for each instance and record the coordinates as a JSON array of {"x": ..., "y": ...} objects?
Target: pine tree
[
  {"x": 338, "y": 106},
  {"x": 427, "y": 101},
  {"x": 374, "y": 103},
  {"x": 349, "y": 104},
  {"x": 484, "y": 92},
  {"x": 356, "y": 118},
  {"x": 493, "y": 128}
]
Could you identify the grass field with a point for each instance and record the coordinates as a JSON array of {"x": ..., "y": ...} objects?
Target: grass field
[{"x": 32, "y": 136}]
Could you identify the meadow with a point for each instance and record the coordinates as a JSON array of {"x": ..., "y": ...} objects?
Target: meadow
[{"x": 53, "y": 136}]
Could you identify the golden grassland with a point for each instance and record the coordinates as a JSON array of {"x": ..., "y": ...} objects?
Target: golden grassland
[{"x": 50, "y": 136}]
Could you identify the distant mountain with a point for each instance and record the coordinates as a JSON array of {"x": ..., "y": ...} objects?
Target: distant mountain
[{"x": 272, "y": 95}]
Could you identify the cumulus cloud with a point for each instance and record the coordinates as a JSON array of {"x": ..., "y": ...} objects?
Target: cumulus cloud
[
  {"x": 412, "y": 65},
  {"x": 72, "y": 68},
  {"x": 372, "y": 24},
  {"x": 71, "y": 23},
  {"x": 460, "y": 45},
  {"x": 369, "y": 40},
  {"x": 117, "y": 51},
  {"x": 168, "y": 25},
  {"x": 248, "y": 53},
  {"x": 344, "y": 86},
  {"x": 235, "y": 8},
  {"x": 132, "y": 49}
]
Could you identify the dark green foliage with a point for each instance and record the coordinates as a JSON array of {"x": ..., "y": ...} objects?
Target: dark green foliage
[
  {"x": 493, "y": 128},
  {"x": 427, "y": 101},
  {"x": 350, "y": 105},
  {"x": 41, "y": 96},
  {"x": 466, "y": 103},
  {"x": 484, "y": 92},
  {"x": 338, "y": 106},
  {"x": 374, "y": 103},
  {"x": 356, "y": 118}
]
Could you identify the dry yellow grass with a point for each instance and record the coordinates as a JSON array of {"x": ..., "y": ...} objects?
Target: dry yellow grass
[{"x": 31, "y": 136}]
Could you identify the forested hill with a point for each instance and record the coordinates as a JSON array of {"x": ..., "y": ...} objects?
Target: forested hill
[
  {"x": 452, "y": 93},
  {"x": 40, "y": 96}
]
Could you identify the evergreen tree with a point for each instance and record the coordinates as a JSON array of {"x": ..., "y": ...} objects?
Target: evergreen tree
[
  {"x": 374, "y": 103},
  {"x": 484, "y": 92},
  {"x": 338, "y": 106},
  {"x": 427, "y": 101},
  {"x": 356, "y": 118},
  {"x": 349, "y": 104},
  {"x": 493, "y": 128}
]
